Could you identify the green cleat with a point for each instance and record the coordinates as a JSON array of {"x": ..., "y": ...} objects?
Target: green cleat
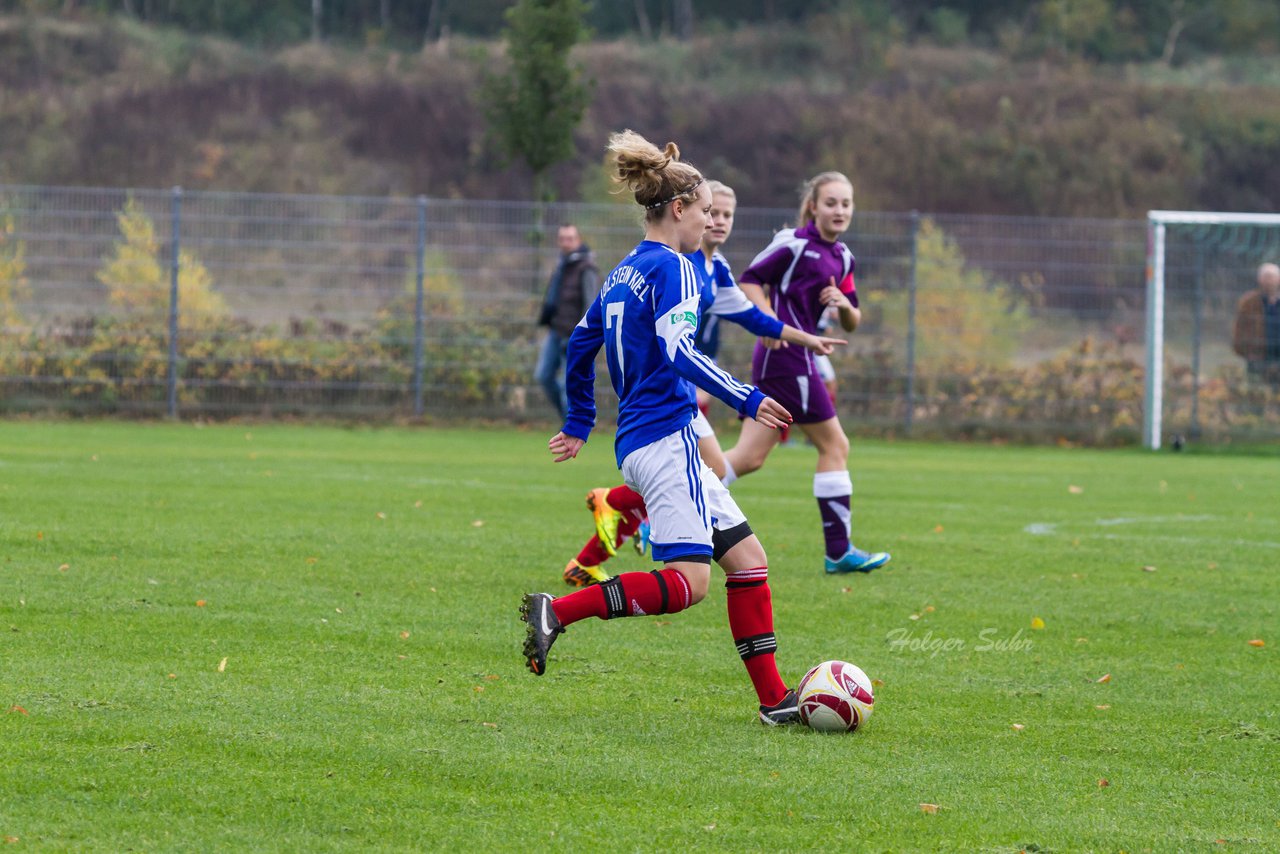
[
  {"x": 577, "y": 575},
  {"x": 606, "y": 519}
]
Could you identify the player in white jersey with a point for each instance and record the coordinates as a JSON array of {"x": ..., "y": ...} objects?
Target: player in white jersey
[{"x": 645, "y": 318}]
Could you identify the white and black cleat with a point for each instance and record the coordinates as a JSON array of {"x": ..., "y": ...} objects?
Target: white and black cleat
[
  {"x": 786, "y": 711},
  {"x": 541, "y": 630}
]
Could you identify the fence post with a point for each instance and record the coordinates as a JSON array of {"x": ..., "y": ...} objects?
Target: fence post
[
  {"x": 911, "y": 326},
  {"x": 174, "y": 266},
  {"x": 419, "y": 320}
]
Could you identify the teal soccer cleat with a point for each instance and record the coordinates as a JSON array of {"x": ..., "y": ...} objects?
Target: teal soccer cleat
[
  {"x": 640, "y": 539},
  {"x": 856, "y": 560}
]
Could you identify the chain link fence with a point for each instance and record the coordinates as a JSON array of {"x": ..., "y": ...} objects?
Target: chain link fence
[{"x": 202, "y": 304}]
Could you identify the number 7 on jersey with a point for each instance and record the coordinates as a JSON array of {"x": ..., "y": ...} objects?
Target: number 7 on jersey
[{"x": 613, "y": 320}]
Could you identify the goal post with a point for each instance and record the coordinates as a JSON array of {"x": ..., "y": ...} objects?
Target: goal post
[{"x": 1160, "y": 224}]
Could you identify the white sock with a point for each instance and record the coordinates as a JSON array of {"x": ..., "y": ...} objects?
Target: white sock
[{"x": 832, "y": 484}]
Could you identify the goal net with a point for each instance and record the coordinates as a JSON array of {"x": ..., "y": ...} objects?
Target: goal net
[{"x": 1211, "y": 370}]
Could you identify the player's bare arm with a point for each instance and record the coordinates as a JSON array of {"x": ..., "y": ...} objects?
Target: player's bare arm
[
  {"x": 832, "y": 296},
  {"x": 756, "y": 293},
  {"x": 819, "y": 344}
]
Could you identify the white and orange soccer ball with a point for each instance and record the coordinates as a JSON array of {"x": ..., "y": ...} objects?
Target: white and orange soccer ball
[{"x": 835, "y": 696}]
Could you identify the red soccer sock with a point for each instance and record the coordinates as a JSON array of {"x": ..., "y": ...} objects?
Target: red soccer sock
[
  {"x": 632, "y": 594},
  {"x": 623, "y": 498},
  {"x": 751, "y": 622},
  {"x": 593, "y": 553},
  {"x": 628, "y": 525}
]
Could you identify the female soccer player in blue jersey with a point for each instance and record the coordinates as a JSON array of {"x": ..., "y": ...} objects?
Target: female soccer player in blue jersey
[
  {"x": 645, "y": 318},
  {"x": 620, "y": 512},
  {"x": 808, "y": 270}
]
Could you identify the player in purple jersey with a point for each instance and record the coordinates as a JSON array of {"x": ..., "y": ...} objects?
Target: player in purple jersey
[
  {"x": 801, "y": 274},
  {"x": 645, "y": 318}
]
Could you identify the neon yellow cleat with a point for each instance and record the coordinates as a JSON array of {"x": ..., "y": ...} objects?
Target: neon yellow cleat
[
  {"x": 577, "y": 575},
  {"x": 606, "y": 519}
]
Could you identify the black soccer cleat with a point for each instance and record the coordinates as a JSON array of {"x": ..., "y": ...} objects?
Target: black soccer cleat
[
  {"x": 786, "y": 711},
  {"x": 541, "y": 630}
]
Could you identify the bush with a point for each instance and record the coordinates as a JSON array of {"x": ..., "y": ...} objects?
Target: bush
[
  {"x": 965, "y": 319},
  {"x": 138, "y": 282},
  {"x": 13, "y": 280}
]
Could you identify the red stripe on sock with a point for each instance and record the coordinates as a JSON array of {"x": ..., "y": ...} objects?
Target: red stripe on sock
[{"x": 682, "y": 586}]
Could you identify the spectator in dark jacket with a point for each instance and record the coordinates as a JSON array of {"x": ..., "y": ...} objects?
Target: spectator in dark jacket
[
  {"x": 574, "y": 284},
  {"x": 1256, "y": 333}
]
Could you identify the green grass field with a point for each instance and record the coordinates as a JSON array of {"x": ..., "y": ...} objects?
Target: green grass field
[{"x": 298, "y": 638}]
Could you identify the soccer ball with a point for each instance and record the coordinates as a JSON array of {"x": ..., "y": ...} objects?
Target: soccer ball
[{"x": 835, "y": 696}]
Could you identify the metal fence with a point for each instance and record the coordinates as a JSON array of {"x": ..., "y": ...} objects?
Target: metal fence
[{"x": 385, "y": 307}]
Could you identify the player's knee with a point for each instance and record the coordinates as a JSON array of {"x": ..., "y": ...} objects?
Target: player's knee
[
  {"x": 750, "y": 461},
  {"x": 737, "y": 548},
  {"x": 698, "y": 577},
  {"x": 835, "y": 449},
  {"x": 751, "y": 552},
  {"x": 698, "y": 588}
]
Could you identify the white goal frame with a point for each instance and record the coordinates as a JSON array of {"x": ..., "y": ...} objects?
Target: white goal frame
[{"x": 1157, "y": 223}]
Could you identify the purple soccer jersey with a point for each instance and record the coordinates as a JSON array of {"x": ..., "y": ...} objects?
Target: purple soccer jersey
[{"x": 798, "y": 264}]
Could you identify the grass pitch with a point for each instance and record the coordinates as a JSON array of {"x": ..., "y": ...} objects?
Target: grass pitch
[{"x": 305, "y": 638}]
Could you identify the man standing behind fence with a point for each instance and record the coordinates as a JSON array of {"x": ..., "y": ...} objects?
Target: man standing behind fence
[
  {"x": 1256, "y": 334},
  {"x": 574, "y": 284}
]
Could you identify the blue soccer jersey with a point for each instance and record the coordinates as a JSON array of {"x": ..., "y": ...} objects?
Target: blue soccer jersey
[
  {"x": 716, "y": 275},
  {"x": 722, "y": 298},
  {"x": 646, "y": 318}
]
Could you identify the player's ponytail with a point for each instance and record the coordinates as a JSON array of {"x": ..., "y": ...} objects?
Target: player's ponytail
[
  {"x": 809, "y": 193},
  {"x": 655, "y": 177}
]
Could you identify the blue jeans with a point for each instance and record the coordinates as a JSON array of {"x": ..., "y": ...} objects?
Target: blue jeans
[{"x": 547, "y": 373}]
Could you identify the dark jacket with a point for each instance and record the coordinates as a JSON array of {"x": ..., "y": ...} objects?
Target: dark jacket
[
  {"x": 1249, "y": 334},
  {"x": 574, "y": 284}
]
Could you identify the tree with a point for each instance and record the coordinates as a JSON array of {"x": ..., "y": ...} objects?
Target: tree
[
  {"x": 137, "y": 281},
  {"x": 1181, "y": 15},
  {"x": 534, "y": 106},
  {"x": 682, "y": 19},
  {"x": 13, "y": 280},
  {"x": 435, "y": 22},
  {"x": 642, "y": 21},
  {"x": 966, "y": 319}
]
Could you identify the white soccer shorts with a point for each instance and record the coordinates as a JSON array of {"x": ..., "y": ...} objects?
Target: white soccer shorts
[
  {"x": 684, "y": 497},
  {"x": 825, "y": 369},
  {"x": 701, "y": 426}
]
